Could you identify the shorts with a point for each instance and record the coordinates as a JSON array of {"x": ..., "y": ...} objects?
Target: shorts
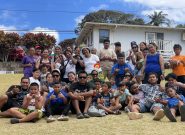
[
  {"x": 148, "y": 107},
  {"x": 9, "y": 104},
  {"x": 27, "y": 111}
]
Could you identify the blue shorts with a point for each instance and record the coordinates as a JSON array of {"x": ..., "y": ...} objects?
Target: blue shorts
[{"x": 148, "y": 107}]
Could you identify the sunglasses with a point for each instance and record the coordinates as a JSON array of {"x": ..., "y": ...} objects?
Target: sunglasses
[
  {"x": 134, "y": 47},
  {"x": 55, "y": 75},
  {"x": 128, "y": 75},
  {"x": 82, "y": 77},
  {"x": 94, "y": 74}
]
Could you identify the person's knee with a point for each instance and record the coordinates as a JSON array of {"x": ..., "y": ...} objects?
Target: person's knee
[{"x": 4, "y": 99}]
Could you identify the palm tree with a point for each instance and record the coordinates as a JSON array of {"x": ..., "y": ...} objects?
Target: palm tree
[{"x": 158, "y": 18}]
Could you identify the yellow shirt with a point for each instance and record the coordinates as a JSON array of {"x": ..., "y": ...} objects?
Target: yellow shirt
[{"x": 179, "y": 70}]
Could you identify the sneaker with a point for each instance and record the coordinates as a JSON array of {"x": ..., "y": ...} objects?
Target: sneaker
[
  {"x": 79, "y": 116},
  {"x": 14, "y": 120},
  {"x": 159, "y": 115},
  {"x": 63, "y": 118},
  {"x": 134, "y": 115},
  {"x": 86, "y": 115},
  {"x": 182, "y": 112},
  {"x": 126, "y": 109},
  {"x": 169, "y": 114},
  {"x": 118, "y": 112},
  {"x": 50, "y": 119}
]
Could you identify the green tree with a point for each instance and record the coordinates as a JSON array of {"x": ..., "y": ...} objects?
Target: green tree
[
  {"x": 180, "y": 26},
  {"x": 109, "y": 16},
  {"x": 67, "y": 42},
  {"x": 159, "y": 18}
]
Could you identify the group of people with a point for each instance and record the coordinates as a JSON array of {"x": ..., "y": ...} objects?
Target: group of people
[{"x": 91, "y": 83}]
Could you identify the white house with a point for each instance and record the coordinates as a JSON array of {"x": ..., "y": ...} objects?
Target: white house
[{"x": 93, "y": 35}]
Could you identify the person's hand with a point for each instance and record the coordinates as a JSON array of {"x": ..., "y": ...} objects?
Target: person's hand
[
  {"x": 52, "y": 97},
  {"x": 157, "y": 100},
  {"x": 178, "y": 96},
  {"x": 29, "y": 65},
  {"x": 117, "y": 70},
  {"x": 81, "y": 98},
  {"x": 37, "y": 97},
  {"x": 29, "y": 97},
  {"x": 60, "y": 95},
  {"x": 101, "y": 101},
  {"x": 15, "y": 90}
]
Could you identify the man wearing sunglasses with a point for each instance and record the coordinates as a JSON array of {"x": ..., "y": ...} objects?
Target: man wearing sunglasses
[
  {"x": 13, "y": 98},
  {"x": 81, "y": 95}
]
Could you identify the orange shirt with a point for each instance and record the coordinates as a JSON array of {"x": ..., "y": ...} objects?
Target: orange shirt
[{"x": 180, "y": 69}]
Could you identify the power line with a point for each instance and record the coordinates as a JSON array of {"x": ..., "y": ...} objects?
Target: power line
[{"x": 26, "y": 30}]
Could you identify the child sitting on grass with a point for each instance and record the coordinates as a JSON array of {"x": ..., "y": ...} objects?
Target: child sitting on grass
[
  {"x": 57, "y": 104},
  {"x": 106, "y": 101},
  {"x": 174, "y": 102},
  {"x": 123, "y": 95},
  {"x": 31, "y": 108}
]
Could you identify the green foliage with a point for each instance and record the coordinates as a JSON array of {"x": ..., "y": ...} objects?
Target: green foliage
[
  {"x": 158, "y": 18},
  {"x": 109, "y": 16},
  {"x": 67, "y": 42},
  {"x": 180, "y": 26}
]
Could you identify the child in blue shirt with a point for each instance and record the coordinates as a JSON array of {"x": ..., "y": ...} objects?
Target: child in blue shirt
[
  {"x": 173, "y": 103},
  {"x": 57, "y": 104}
]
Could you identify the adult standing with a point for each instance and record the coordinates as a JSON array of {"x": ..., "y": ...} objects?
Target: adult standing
[
  {"x": 107, "y": 58},
  {"x": 69, "y": 64},
  {"x": 80, "y": 64},
  {"x": 45, "y": 60},
  {"x": 153, "y": 63},
  {"x": 177, "y": 63},
  {"x": 28, "y": 62},
  {"x": 89, "y": 60}
]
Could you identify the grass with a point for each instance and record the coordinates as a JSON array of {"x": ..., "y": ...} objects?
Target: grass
[{"x": 109, "y": 125}]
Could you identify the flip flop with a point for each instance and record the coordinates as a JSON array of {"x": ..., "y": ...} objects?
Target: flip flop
[
  {"x": 169, "y": 115},
  {"x": 182, "y": 112}
]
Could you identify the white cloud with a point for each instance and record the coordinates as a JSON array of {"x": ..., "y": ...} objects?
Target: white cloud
[
  {"x": 175, "y": 9},
  {"x": 8, "y": 28},
  {"x": 47, "y": 31},
  {"x": 102, "y": 6},
  {"x": 79, "y": 19}
]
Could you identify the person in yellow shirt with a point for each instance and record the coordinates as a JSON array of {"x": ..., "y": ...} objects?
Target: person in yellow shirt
[{"x": 177, "y": 63}]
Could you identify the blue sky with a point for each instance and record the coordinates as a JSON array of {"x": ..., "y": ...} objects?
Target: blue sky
[{"x": 63, "y": 15}]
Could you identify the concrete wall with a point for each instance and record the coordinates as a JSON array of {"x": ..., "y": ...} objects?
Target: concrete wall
[{"x": 11, "y": 66}]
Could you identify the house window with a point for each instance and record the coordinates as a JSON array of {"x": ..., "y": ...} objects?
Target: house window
[
  {"x": 160, "y": 36},
  {"x": 103, "y": 34}
]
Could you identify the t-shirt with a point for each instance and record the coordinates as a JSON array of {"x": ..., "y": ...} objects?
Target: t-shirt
[
  {"x": 78, "y": 66},
  {"x": 57, "y": 100},
  {"x": 107, "y": 64},
  {"x": 90, "y": 62},
  {"x": 28, "y": 70},
  {"x": 77, "y": 87},
  {"x": 122, "y": 96},
  {"x": 180, "y": 69},
  {"x": 69, "y": 68},
  {"x": 173, "y": 102},
  {"x": 107, "y": 98},
  {"x": 139, "y": 96}
]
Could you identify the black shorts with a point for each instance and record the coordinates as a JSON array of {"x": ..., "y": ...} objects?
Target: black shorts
[{"x": 9, "y": 104}]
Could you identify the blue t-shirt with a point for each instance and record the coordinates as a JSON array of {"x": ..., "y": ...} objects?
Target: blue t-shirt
[
  {"x": 57, "y": 100},
  {"x": 173, "y": 102},
  {"x": 107, "y": 97},
  {"x": 119, "y": 77}
]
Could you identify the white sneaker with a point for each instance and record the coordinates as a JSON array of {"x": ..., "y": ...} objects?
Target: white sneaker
[
  {"x": 50, "y": 119},
  {"x": 63, "y": 118},
  {"x": 159, "y": 115},
  {"x": 134, "y": 115},
  {"x": 126, "y": 109}
]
